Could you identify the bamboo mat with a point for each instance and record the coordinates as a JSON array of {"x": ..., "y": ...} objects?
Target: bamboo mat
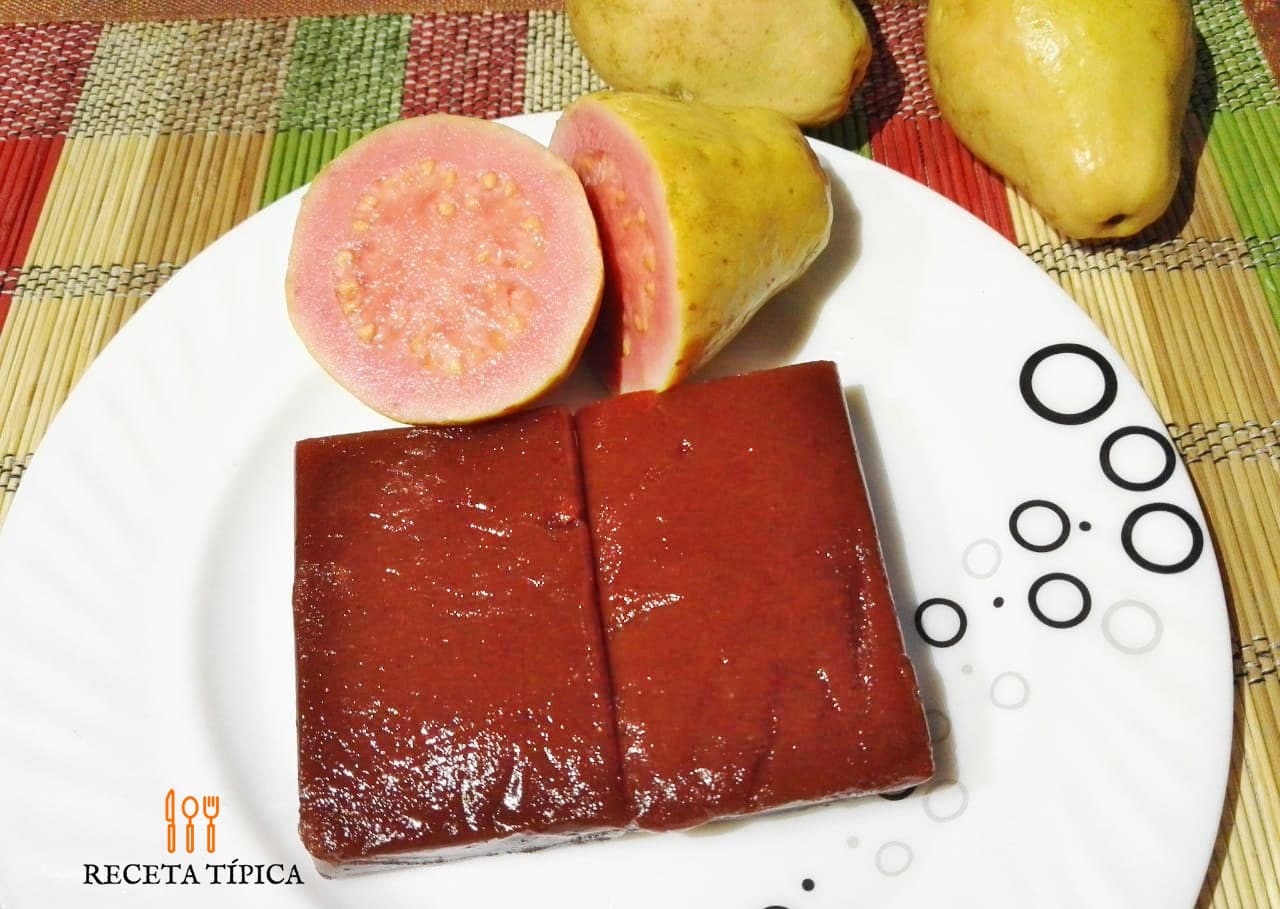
[{"x": 126, "y": 147}]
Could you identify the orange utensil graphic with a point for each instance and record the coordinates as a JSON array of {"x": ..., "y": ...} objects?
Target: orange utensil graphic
[
  {"x": 171, "y": 825},
  {"x": 210, "y": 812},
  {"x": 191, "y": 823}
]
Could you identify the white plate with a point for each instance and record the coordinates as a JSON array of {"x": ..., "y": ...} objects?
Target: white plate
[{"x": 146, "y": 639}]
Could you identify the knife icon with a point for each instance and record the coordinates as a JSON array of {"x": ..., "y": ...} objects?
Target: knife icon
[{"x": 172, "y": 822}]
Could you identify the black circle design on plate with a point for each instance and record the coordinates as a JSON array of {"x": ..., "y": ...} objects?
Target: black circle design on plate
[
  {"x": 1039, "y": 547},
  {"x": 1192, "y": 556},
  {"x": 950, "y": 604},
  {"x": 998, "y": 602},
  {"x": 1166, "y": 471},
  {"x": 899, "y": 795},
  {"x": 1086, "y": 601},
  {"x": 1092, "y": 412},
  {"x": 807, "y": 883},
  {"x": 1086, "y": 526}
]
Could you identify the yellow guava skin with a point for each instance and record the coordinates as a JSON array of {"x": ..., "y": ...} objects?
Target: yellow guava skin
[
  {"x": 1079, "y": 103},
  {"x": 803, "y": 58}
]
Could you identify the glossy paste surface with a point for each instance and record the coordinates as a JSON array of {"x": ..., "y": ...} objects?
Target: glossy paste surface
[
  {"x": 756, "y": 657},
  {"x": 451, "y": 679}
]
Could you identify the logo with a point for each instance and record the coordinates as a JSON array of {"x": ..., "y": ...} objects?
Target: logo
[
  {"x": 190, "y": 827},
  {"x": 191, "y": 810}
]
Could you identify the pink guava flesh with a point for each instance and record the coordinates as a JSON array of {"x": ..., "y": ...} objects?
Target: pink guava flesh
[
  {"x": 637, "y": 338},
  {"x": 445, "y": 270}
]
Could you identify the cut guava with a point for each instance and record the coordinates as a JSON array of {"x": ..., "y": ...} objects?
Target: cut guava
[
  {"x": 704, "y": 214},
  {"x": 445, "y": 269}
]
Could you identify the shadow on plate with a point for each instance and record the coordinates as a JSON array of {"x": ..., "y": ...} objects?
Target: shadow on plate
[{"x": 893, "y": 547}]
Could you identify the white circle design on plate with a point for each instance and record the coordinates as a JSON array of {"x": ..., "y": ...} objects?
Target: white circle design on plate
[
  {"x": 1009, "y": 691},
  {"x": 852, "y": 842},
  {"x": 1132, "y": 627},
  {"x": 946, "y": 800},
  {"x": 981, "y": 558},
  {"x": 939, "y": 725},
  {"x": 893, "y": 858}
]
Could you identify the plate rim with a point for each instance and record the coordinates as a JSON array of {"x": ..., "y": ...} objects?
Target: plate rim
[{"x": 137, "y": 325}]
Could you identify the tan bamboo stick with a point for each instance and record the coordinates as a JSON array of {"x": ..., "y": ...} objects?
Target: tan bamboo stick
[
  {"x": 252, "y": 199},
  {"x": 1235, "y": 871},
  {"x": 15, "y": 341},
  {"x": 1178, "y": 353},
  {"x": 29, "y": 316},
  {"x": 124, "y": 249},
  {"x": 69, "y": 172},
  {"x": 44, "y": 370},
  {"x": 1227, "y": 846},
  {"x": 187, "y": 189},
  {"x": 86, "y": 199},
  {"x": 230, "y": 182},
  {"x": 201, "y": 197},
  {"x": 104, "y": 237},
  {"x": 1255, "y": 553},
  {"x": 1214, "y": 374},
  {"x": 237, "y": 164},
  {"x": 167, "y": 236},
  {"x": 1220, "y": 286},
  {"x": 146, "y": 241}
]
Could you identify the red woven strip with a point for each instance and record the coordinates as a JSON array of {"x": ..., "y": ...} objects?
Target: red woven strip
[
  {"x": 907, "y": 130},
  {"x": 927, "y": 151},
  {"x": 43, "y": 73},
  {"x": 898, "y": 80},
  {"x": 1265, "y": 15},
  {"x": 979, "y": 189},
  {"x": 471, "y": 64},
  {"x": 40, "y": 83},
  {"x": 26, "y": 170}
]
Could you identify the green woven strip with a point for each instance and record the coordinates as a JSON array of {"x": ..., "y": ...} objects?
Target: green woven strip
[
  {"x": 346, "y": 72},
  {"x": 1245, "y": 144},
  {"x": 346, "y": 78},
  {"x": 1232, "y": 73},
  {"x": 298, "y": 154}
]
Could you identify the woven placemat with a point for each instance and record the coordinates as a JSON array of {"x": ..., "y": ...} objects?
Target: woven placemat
[
  {"x": 172, "y": 10},
  {"x": 126, "y": 147}
]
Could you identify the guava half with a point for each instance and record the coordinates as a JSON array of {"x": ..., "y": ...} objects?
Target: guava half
[
  {"x": 445, "y": 269},
  {"x": 704, "y": 212}
]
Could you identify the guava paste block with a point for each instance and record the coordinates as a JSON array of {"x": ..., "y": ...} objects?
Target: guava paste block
[
  {"x": 451, "y": 680},
  {"x": 756, "y": 656}
]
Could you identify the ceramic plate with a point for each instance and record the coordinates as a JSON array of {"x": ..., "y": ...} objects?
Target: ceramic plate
[{"x": 1056, "y": 585}]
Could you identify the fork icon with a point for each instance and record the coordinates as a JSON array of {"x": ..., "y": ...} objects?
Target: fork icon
[{"x": 210, "y": 812}]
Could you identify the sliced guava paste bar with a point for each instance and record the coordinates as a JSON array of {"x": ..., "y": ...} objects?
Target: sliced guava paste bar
[
  {"x": 445, "y": 269},
  {"x": 704, "y": 214}
]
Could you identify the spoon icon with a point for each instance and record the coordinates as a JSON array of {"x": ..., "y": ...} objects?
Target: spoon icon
[{"x": 191, "y": 823}]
